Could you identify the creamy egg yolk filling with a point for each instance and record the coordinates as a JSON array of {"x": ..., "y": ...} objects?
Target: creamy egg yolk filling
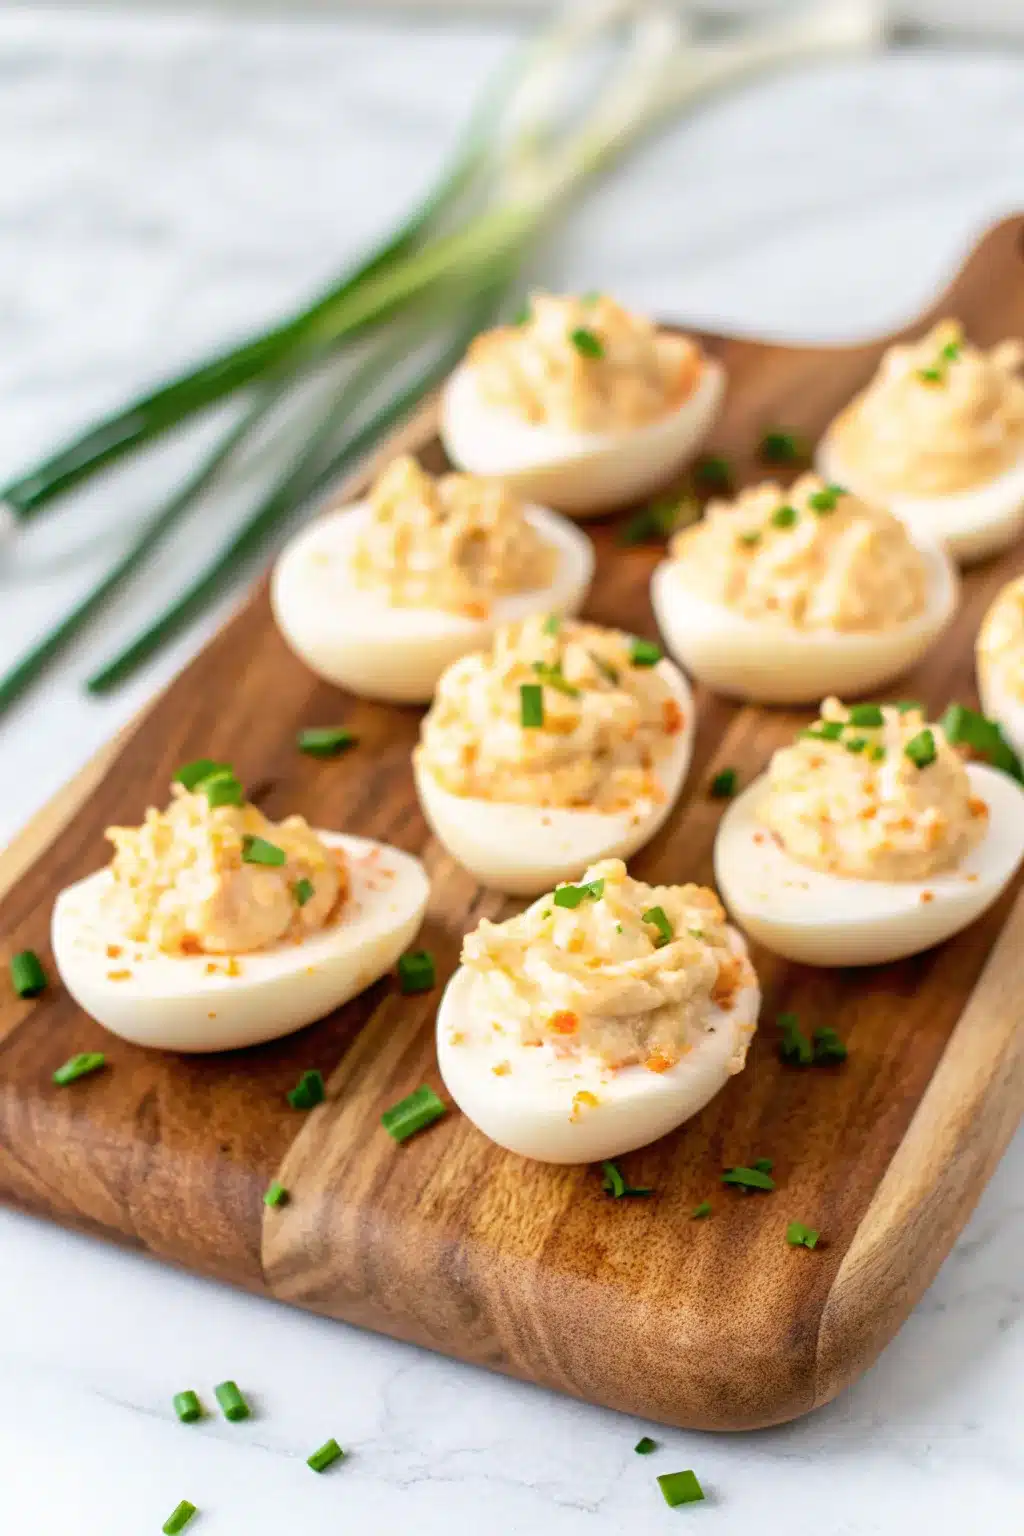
[
  {"x": 611, "y": 969},
  {"x": 192, "y": 879},
  {"x": 597, "y": 725},
  {"x": 585, "y": 365},
  {"x": 454, "y": 543},
  {"x": 1001, "y": 640},
  {"x": 812, "y": 557},
  {"x": 939, "y": 416},
  {"x": 873, "y": 792}
]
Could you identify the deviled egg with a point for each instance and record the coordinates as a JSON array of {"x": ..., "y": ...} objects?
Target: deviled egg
[
  {"x": 599, "y": 1019},
  {"x": 1000, "y": 657},
  {"x": 937, "y": 437},
  {"x": 563, "y": 744},
  {"x": 214, "y": 928},
  {"x": 381, "y": 596},
  {"x": 583, "y": 405},
  {"x": 782, "y": 596},
  {"x": 867, "y": 839}
]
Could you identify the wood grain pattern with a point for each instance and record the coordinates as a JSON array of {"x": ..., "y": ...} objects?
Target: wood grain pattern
[{"x": 449, "y": 1241}]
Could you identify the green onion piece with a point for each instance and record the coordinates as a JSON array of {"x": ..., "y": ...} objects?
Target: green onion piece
[
  {"x": 232, "y": 1404},
  {"x": 416, "y": 971},
  {"x": 27, "y": 975},
  {"x": 877, "y": 753},
  {"x": 749, "y": 537},
  {"x": 586, "y": 342},
  {"x": 552, "y": 676},
  {"x": 187, "y": 1407},
  {"x": 855, "y": 743},
  {"x": 531, "y": 706},
  {"x": 712, "y": 472},
  {"x": 308, "y": 1091},
  {"x": 325, "y": 740},
  {"x": 782, "y": 447},
  {"x": 607, "y": 671},
  {"x": 680, "y": 1488},
  {"x": 222, "y": 789},
  {"x": 644, "y": 653},
  {"x": 326, "y": 1456},
  {"x": 748, "y": 1178},
  {"x": 523, "y": 315},
  {"x": 921, "y": 749},
  {"x": 256, "y": 850},
  {"x": 826, "y": 730},
  {"x": 909, "y": 706},
  {"x": 794, "y": 1047},
  {"x": 828, "y": 1047},
  {"x": 723, "y": 785},
  {"x": 276, "y": 1195},
  {"x": 869, "y": 715},
  {"x": 952, "y": 350},
  {"x": 966, "y": 727},
  {"x": 827, "y": 499},
  {"x": 191, "y": 774},
  {"x": 303, "y": 891},
  {"x": 660, "y": 519},
  {"x": 799, "y": 1236},
  {"x": 784, "y": 517},
  {"x": 414, "y": 1113},
  {"x": 645, "y": 1445},
  {"x": 931, "y": 375},
  {"x": 82, "y": 1065},
  {"x": 552, "y": 624},
  {"x": 613, "y": 1182},
  {"x": 658, "y": 918},
  {"x": 763, "y": 1164},
  {"x": 179, "y": 1519},
  {"x": 700, "y": 1211},
  {"x": 572, "y": 895}
]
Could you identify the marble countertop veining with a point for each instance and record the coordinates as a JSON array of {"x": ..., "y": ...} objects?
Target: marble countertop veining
[{"x": 162, "y": 182}]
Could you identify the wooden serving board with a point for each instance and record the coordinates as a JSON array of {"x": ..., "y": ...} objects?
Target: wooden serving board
[{"x": 448, "y": 1241}]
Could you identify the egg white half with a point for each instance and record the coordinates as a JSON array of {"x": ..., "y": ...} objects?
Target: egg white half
[
  {"x": 973, "y": 524},
  {"x": 354, "y": 637},
  {"x": 1003, "y": 706},
  {"x": 778, "y": 664},
  {"x": 530, "y": 1110},
  {"x": 189, "y": 1003},
  {"x": 578, "y": 472},
  {"x": 525, "y": 850},
  {"x": 823, "y": 919}
]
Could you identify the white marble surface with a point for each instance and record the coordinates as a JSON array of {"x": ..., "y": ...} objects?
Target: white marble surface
[{"x": 162, "y": 182}]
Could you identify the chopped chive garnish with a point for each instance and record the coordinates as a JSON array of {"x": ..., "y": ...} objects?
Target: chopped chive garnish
[
  {"x": 750, "y": 537},
  {"x": 825, "y": 500},
  {"x": 572, "y": 895},
  {"x": 232, "y": 1404},
  {"x": 326, "y": 1456},
  {"x": 713, "y": 472},
  {"x": 909, "y": 706},
  {"x": 931, "y": 375},
  {"x": 276, "y": 1195},
  {"x": 180, "y": 1518},
  {"x": 658, "y": 918},
  {"x": 794, "y": 1047},
  {"x": 660, "y": 519},
  {"x": 552, "y": 624},
  {"x": 680, "y": 1488},
  {"x": 27, "y": 975},
  {"x": 828, "y": 1047},
  {"x": 966, "y": 727},
  {"x": 416, "y": 971},
  {"x": 799, "y": 1236},
  {"x": 951, "y": 351},
  {"x": 615, "y": 1185},
  {"x": 187, "y": 1407},
  {"x": 723, "y": 784},
  {"x": 585, "y": 341},
  {"x": 855, "y": 743},
  {"x": 877, "y": 753},
  {"x": 256, "y": 850},
  {"x": 325, "y": 740},
  {"x": 644, "y": 653},
  {"x": 827, "y": 730},
  {"x": 607, "y": 671},
  {"x": 414, "y": 1113},
  {"x": 531, "y": 706},
  {"x": 700, "y": 1211},
  {"x": 784, "y": 517},
  {"x": 781, "y": 447},
  {"x": 222, "y": 788},
  {"x": 191, "y": 774},
  {"x": 82, "y": 1065},
  {"x": 645, "y": 1445},
  {"x": 921, "y": 749},
  {"x": 869, "y": 715},
  {"x": 308, "y": 1091},
  {"x": 302, "y": 890},
  {"x": 763, "y": 1164},
  {"x": 748, "y": 1178},
  {"x": 523, "y": 315},
  {"x": 552, "y": 676}
]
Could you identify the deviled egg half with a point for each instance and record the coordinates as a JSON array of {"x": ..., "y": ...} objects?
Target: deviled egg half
[
  {"x": 583, "y": 405},
  {"x": 868, "y": 839},
  {"x": 563, "y": 744},
  {"x": 214, "y": 928},
  {"x": 599, "y": 1019},
  {"x": 381, "y": 596},
  {"x": 1000, "y": 657},
  {"x": 783, "y": 596},
  {"x": 937, "y": 437}
]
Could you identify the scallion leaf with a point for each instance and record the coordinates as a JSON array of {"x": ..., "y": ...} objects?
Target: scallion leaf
[
  {"x": 723, "y": 785},
  {"x": 644, "y": 653},
  {"x": 325, "y": 740},
  {"x": 921, "y": 749},
  {"x": 552, "y": 676},
  {"x": 825, "y": 500},
  {"x": 615, "y": 1185},
  {"x": 784, "y": 516},
  {"x": 256, "y": 850},
  {"x": 82, "y": 1065},
  {"x": 27, "y": 975},
  {"x": 221, "y": 788},
  {"x": 587, "y": 342},
  {"x": 531, "y": 706},
  {"x": 176, "y": 1522},
  {"x": 325, "y": 1457},
  {"x": 866, "y": 715},
  {"x": 799, "y": 1236},
  {"x": 658, "y": 918},
  {"x": 645, "y": 1445},
  {"x": 276, "y": 1195},
  {"x": 749, "y": 1178},
  {"x": 187, "y": 1407},
  {"x": 713, "y": 472},
  {"x": 700, "y": 1211},
  {"x": 794, "y": 1047},
  {"x": 232, "y": 1404},
  {"x": 680, "y": 1488},
  {"x": 828, "y": 1047},
  {"x": 417, "y": 971},
  {"x": 552, "y": 624},
  {"x": 571, "y": 895},
  {"x": 192, "y": 774},
  {"x": 303, "y": 891},
  {"x": 413, "y": 1113},
  {"x": 309, "y": 1091},
  {"x": 966, "y": 727},
  {"x": 782, "y": 447},
  {"x": 762, "y": 1164}
]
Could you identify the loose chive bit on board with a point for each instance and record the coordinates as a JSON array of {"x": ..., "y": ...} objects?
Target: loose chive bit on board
[
  {"x": 325, "y": 740},
  {"x": 700, "y": 1211},
  {"x": 781, "y": 447},
  {"x": 413, "y": 1113},
  {"x": 827, "y": 1046},
  {"x": 222, "y": 788},
  {"x": 276, "y": 1195},
  {"x": 723, "y": 785},
  {"x": 177, "y": 1522},
  {"x": 645, "y": 1445},
  {"x": 232, "y": 1404},
  {"x": 187, "y": 1407},
  {"x": 799, "y": 1236},
  {"x": 763, "y": 1164},
  {"x": 82, "y": 1065},
  {"x": 749, "y": 1178},
  {"x": 966, "y": 727},
  {"x": 794, "y": 1046},
  {"x": 680, "y": 1488},
  {"x": 326, "y": 1456},
  {"x": 712, "y": 472},
  {"x": 308, "y": 1091},
  {"x": 193, "y": 774},
  {"x": 416, "y": 971},
  {"x": 27, "y": 975},
  {"x": 615, "y": 1185}
]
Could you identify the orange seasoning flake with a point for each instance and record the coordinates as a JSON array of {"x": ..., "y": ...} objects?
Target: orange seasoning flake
[
  {"x": 502, "y": 1068},
  {"x": 114, "y": 951},
  {"x": 565, "y": 1022},
  {"x": 118, "y": 975},
  {"x": 582, "y": 1100},
  {"x": 927, "y": 896},
  {"x": 657, "y": 1062},
  {"x": 671, "y": 717}
]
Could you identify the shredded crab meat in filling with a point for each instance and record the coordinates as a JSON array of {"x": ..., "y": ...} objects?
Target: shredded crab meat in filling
[
  {"x": 180, "y": 883},
  {"x": 606, "y": 721},
  {"x": 454, "y": 543},
  {"x": 1001, "y": 640},
  {"x": 599, "y": 981},
  {"x": 810, "y": 557},
  {"x": 619, "y": 372},
  {"x": 850, "y": 799},
  {"x": 940, "y": 415}
]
